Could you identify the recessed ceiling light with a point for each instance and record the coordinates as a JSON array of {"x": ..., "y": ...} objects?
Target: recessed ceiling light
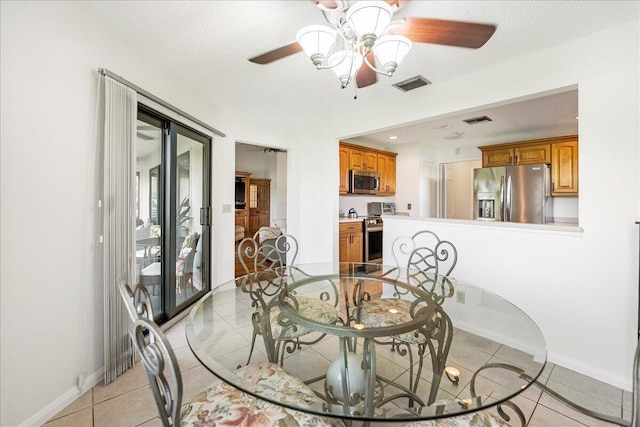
[{"x": 392, "y": 137}]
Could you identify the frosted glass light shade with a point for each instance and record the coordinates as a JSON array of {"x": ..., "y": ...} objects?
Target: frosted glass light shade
[
  {"x": 390, "y": 51},
  {"x": 369, "y": 17},
  {"x": 345, "y": 63},
  {"x": 316, "y": 41}
]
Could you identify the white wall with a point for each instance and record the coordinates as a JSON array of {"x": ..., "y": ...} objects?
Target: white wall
[
  {"x": 51, "y": 294},
  {"x": 52, "y": 315},
  {"x": 581, "y": 289}
]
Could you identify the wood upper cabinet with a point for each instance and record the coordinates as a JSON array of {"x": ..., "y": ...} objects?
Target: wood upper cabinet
[
  {"x": 496, "y": 156},
  {"x": 363, "y": 160},
  {"x": 350, "y": 238},
  {"x": 344, "y": 170},
  {"x": 515, "y": 154},
  {"x": 564, "y": 168},
  {"x": 387, "y": 171},
  {"x": 561, "y": 152},
  {"x": 354, "y": 157},
  {"x": 532, "y": 154}
]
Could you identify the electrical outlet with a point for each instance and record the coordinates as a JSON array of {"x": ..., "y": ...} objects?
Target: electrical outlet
[
  {"x": 226, "y": 208},
  {"x": 409, "y": 206},
  {"x": 460, "y": 297}
]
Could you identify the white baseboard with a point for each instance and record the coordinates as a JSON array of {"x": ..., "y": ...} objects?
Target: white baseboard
[
  {"x": 65, "y": 400},
  {"x": 621, "y": 382}
]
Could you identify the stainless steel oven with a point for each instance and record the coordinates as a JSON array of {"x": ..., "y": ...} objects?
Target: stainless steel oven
[{"x": 373, "y": 239}]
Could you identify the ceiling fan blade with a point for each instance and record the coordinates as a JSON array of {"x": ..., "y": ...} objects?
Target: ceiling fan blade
[
  {"x": 276, "y": 54},
  {"x": 326, "y": 4},
  {"x": 366, "y": 76},
  {"x": 397, "y": 4},
  {"x": 439, "y": 31}
]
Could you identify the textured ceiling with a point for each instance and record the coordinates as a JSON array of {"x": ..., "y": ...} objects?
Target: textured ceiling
[{"x": 207, "y": 44}]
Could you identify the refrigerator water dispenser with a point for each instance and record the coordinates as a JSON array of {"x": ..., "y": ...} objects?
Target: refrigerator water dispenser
[{"x": 486, "y": 209}]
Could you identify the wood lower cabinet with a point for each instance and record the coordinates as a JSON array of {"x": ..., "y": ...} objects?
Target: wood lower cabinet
[
  {"x": 350, "y": 238},
  {"x": 564, "y": 168}
]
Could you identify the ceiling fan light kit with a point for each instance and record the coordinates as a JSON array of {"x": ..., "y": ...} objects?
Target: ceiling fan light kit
[
  {"x": 317, "y": 41},
  {"x": 361, "y": 30},
  {"x": 390, "y": 51},
  {"x": 368, "y": 34},
  {"x": 345, "y": 63},
  {"x": 369, "y": 20}
]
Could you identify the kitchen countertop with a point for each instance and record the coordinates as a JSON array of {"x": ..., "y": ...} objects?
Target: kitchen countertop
[{"x": 347, "y": 219}]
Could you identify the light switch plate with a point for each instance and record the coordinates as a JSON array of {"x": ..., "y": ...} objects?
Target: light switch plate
[{"x": 226, "y": 208}]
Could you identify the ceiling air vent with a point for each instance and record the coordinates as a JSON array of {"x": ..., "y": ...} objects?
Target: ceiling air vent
[
  {"x": 477, "y": 120},
  {"x": 412, "y": 83}
]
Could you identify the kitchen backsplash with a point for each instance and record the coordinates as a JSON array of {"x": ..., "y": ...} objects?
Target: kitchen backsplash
[{"x": 359, "y": 203}]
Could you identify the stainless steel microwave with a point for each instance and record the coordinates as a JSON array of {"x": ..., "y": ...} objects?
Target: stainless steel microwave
[{"x": 361, "y": 182}]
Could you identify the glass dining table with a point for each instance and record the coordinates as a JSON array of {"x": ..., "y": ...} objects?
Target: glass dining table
[{"x": 374, "y": 342}]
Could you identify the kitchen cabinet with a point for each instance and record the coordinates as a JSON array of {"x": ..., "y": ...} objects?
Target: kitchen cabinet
[
  {"x": 387, "y": 172},
  {"x": 344, "y": 170},
  {"x": 564, "y": 168},
  {"x": 363, "y": 160},
  {"x": 515, "y": 154},
  {"x": 350, "y": 238},
  {"x": 560, "y": 152},
  {"x": 355, "y": 157},
  {"x": 259, "y": 204}
]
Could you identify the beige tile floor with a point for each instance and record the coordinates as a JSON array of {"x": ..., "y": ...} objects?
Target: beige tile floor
[{"x": 128, "y": 402}]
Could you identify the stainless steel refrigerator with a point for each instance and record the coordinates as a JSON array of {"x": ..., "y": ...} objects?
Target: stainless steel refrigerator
[{"x": 513, "y": 194}]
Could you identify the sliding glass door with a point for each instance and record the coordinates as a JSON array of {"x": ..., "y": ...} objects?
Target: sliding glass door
[{"x": 172, "y": 212}]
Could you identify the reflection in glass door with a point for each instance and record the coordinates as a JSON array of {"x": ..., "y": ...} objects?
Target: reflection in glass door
[{"x": 172, "y": 234}]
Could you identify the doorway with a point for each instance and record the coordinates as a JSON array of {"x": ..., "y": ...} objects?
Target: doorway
[
  {"x": 456, "y": 189},
  {"x": 172, "y": 212},
  {"x": 265, "y": 170}
]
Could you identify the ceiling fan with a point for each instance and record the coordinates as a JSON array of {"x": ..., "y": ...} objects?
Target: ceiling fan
[
  {"x": 267, "y": 150},
  {"x": 362, "y": 28}
]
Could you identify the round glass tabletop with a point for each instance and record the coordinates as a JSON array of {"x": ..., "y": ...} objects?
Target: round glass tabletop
[{"x": 371, "y": 342}]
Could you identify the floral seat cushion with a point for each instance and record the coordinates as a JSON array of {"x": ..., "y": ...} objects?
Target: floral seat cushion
[
  {"x": 221, "y": 404},
  {"x": 309, "y": 308},
  {"x": 270, "y": 379},
  {"x": 388, "y": 312},
  {"x": 477, "y": 419}
]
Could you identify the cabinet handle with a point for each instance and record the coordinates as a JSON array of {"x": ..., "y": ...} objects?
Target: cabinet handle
[{"x": 516, "y": 159}]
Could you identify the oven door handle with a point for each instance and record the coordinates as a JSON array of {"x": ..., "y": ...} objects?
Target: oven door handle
[{"x": 374, "y": 228}]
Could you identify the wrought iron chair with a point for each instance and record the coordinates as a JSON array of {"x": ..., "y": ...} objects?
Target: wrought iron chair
[
  {"x": 489, "y": 419},
  {"x": 265, "y": 264},
  {"x": 425, "y": 256},
  {"x": 219, "y": 401}
]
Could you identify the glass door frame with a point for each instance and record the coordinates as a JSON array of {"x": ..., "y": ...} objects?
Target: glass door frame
[{"x": 167, "y": 212}]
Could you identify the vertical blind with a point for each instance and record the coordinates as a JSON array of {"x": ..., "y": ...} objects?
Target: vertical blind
[{"x": 117, "y": 114}]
